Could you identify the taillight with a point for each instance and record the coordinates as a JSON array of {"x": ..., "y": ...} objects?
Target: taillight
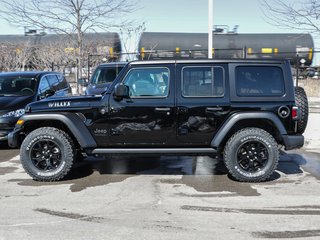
[{"x": 295, "y": 113}]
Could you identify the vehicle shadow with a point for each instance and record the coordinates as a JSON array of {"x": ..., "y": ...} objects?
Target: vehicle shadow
[
  {"x": 167, "y": 165},
  {"x": 204, "y": 174},
  {"x": 4, "y": 145},
  {"x": 289, "y": 163}
]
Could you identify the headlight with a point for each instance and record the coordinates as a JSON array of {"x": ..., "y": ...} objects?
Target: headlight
[{"x": 16, "y": 113}]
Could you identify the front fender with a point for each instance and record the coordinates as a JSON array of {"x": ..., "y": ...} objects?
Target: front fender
[{"x": 71, "y": 120}]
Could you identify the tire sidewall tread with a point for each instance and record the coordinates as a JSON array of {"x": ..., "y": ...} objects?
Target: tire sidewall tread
[
  {"x": 232, "y": 146},
  {"x": 62, "y": 140},
  {"x": 302, "y": 103}
]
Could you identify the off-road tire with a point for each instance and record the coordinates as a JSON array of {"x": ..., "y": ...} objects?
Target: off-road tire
[
  {"x": 302, "y": 104},
  {"x": 78, "y": 156},
  {"x": 47, "y": 154},
  {"x": 249, "y": 147}
]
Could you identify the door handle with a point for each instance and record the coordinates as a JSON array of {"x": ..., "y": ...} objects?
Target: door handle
[
  {"x": 213, "y": 109},
  {"x": 164, "y": 109}
]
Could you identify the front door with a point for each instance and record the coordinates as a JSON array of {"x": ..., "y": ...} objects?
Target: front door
[{"x": 147, "y": 117}]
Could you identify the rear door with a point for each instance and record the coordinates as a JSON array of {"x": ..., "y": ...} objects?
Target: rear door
[{"x": 202, "y": 102}]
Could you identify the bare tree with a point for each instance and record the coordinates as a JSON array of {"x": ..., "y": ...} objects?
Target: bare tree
[
  {"x": 53, "y": 53},
  {"x": 69, "y": 16},
  {"x": 294, "y": 14},
  {"x": 16, "y": 57},
  {"x": 5, "y": 58}
]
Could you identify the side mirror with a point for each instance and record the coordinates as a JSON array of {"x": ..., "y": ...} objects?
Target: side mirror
[
  {"x": 49, "y": 93},
  {"x": 121, "y": 91}
]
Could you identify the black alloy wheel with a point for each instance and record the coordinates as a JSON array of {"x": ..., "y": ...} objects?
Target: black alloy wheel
[
  {"x": 252, "y": 156},
  {"x": 45, "y": 155}
]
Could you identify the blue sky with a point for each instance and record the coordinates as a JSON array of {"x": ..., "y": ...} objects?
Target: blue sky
[{"x": 191, "y": 16}]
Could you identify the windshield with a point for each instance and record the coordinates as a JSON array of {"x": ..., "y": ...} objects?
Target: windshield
[
  {"x": 105, "y": 75},
  {"x": 17, "y": 86}
]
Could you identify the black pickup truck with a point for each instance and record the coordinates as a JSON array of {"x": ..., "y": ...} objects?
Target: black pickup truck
[{"x": 241, "y": 109}]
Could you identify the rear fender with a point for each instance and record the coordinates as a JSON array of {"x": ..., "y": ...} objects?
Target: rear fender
[{"x": 237, "y": 117}]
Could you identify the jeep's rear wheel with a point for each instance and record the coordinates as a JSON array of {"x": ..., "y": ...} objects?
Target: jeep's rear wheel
[
  {"x": 46, "y": 154},
  {"x": 302, "y": 103},
  {"x": 251, "y": 155}
]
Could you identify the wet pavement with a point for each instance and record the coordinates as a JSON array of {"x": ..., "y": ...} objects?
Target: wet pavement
[{"x": 161, "y": 198}]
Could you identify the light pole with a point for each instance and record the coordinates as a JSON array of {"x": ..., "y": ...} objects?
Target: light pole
[{"x": 210, "y": 34}]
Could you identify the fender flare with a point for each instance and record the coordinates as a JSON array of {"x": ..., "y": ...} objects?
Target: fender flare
[
  {"x": 73, "y": 122},
  {"x": 236, "y": 117}
]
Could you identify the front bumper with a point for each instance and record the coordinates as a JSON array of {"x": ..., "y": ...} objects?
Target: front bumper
[
  {"x": 293, "y": 141},
  {"x": 6, "y": 126},
  {"x": 14, "y": 139},
  {"x": 4, "y": 134}
]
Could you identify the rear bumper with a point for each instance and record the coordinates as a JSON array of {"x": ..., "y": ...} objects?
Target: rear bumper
[{"x": 293, "y": 141}]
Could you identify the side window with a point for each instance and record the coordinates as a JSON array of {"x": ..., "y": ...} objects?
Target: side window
[
  {"x": 104, "y": 75},
  {"x": 95, "y": 76},
  {"x": 148, "y": 82},
  {"x": 43, "y": 85},
  {"x": 259, "y": 81},
  {"x": 107, "y": 75},
  {"x": 62, "y": 82},
  {"x": 53, "y": 81},
  {"x": 203, "y": 82}
]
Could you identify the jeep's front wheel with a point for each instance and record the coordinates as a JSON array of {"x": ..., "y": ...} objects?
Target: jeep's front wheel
[
  {"x": 46, "y": 154},
  {"x": 251, "y": 155}
]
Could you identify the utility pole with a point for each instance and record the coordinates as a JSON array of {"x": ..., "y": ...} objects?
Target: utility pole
[{"x": 210, "y": 34}]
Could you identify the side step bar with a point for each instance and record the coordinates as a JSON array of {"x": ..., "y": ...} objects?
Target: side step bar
[{"x": 153, "y": 150}]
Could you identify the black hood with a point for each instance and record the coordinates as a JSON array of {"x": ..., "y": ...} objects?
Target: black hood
[{"x": 14, "y": 102}]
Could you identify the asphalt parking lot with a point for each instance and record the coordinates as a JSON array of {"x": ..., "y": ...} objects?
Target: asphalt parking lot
[{"x": 166, "y": 198}]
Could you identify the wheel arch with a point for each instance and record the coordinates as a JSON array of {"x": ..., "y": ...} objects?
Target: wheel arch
[
  {"x": 266, "y": 121},
  {"x": 68, "y": 122}
]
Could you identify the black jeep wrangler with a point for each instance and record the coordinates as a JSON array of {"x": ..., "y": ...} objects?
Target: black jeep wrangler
[{"x": 242, "y": 109}]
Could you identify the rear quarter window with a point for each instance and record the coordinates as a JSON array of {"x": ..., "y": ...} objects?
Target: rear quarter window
[
  {"x": 202, "y": 82},
  {"x": 259, "y": 81}
]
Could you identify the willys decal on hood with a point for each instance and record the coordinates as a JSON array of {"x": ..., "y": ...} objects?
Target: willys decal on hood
[{"x": 59, "y": 104}]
